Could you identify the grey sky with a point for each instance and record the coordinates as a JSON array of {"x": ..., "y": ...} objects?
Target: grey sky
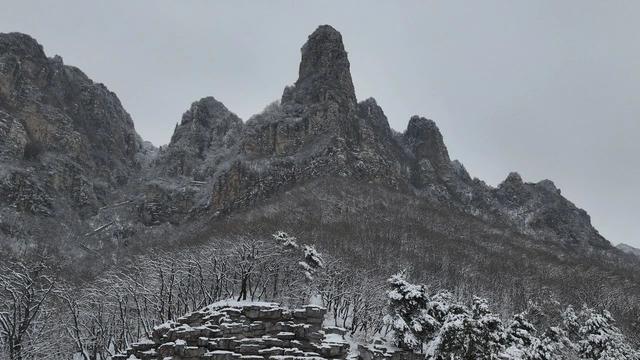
[{"x": 547, "y": 88}]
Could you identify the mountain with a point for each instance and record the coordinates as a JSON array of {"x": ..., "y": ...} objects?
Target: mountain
[
  {"x": 70, "y": 149},
  {"x": 319, "y": 129},
  {"x": 78, "y": 184},
  {"x": 68, "y": 146},
  {"x": 628, "y": 249}
]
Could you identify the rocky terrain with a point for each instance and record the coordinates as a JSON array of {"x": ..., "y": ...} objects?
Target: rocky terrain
[
  {"x": 629, "y": 249},
  {"x": 69, "y": 149},
  {"x": 319, "y": 129}
]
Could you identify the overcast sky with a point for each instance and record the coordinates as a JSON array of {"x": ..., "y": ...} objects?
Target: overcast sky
[{"x": 546, "y": 88}]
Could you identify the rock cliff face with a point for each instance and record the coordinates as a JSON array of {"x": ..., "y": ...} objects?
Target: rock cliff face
[
  {"x": 67, "y": 145},
  {"x": 319, "y": 129},
  {"x": 56, "y": 109},
  {"x": 206, "y": 135},
  {"x": 69, "y": 148}
]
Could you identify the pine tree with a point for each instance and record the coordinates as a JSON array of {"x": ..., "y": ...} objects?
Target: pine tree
[
  {"x": 521, "y": 332},
  {"x": 520, "y": 339},
  {"x": 486, "y": 332},
  {"x": 549, "y": 347},
  {"x": 452, "y": 340},
  {"x": 570, "y": 323},
  {"x": 468, "y": 334},
  {"x": 408, "y": 317},
  {"x": 601, "y": 340}
]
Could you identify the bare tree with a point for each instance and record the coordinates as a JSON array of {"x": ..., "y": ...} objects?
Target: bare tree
[{"x": 23, "y": 292}]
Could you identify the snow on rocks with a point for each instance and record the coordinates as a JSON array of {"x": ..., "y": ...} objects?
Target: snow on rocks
[
  {"x": 381, "y": 350},
  {"x": 242, "y": 330}
]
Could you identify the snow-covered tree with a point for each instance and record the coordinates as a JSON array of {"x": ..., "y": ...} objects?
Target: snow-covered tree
[
  {"x": 285, "y": 240},
  {"x": 570, "y": 323},
  {"x": 25, "y": 290},
  {"x": 486, "y": 332},
  {"x": 312, "y": 257},
  {"x": 451, "y": 341},
  {"x": 522, "y": 344},
  {"x": 439, "y": 326},
  {"x": 548, "y": 347},
  {"x": 408, "y": 318},
  {"x": 600, "y": 339},
  {"x": 520, "y": 339},
  {"x": 520, "y": 331}
]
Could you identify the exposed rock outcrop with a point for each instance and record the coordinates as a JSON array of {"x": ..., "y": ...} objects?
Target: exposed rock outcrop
[
  {"x": 319, "y": 129},
  {"x": 325, "y": 74},
  {"x": 62, "y": 111},
  {"x": 231, "y": 330},
  {"x": 69, "y": 149},
  {"x": 207, "y": 133},
  {"x": 539, "y": 209}
]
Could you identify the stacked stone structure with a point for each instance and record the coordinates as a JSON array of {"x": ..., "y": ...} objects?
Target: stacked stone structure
[{"x": 244, "y": 331}]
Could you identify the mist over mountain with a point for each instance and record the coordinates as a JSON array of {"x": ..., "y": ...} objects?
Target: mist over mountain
[{"x": 80, "y": 189}]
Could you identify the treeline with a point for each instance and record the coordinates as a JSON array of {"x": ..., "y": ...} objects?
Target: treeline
[{"x": 43, "y": 316}]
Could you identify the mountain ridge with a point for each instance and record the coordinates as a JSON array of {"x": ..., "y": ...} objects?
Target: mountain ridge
[
  {"x": 319, "y": 127},
  {"x": 318, "y": 163},
  {"x": 216, "y": 163}
]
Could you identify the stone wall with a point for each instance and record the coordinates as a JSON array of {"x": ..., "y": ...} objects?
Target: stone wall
[{"x": 251, "y": 331}]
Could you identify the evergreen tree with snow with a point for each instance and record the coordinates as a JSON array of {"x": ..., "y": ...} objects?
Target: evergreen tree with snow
[
  {"x": 408, "y": 319},
  {"x": 520, "y": 339},
  {"x": 549, "y": 347},
  {"x": 600, "y": 339},
  {"x": 486, "y": 332},
  {"x": 452, "y": 339},
  {"x": 570, "y": 323},
  {"x": 470, "y": 334},
  {"x": 520, "y": 331}
]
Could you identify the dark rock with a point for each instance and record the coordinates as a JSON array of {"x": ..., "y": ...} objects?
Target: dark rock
[
  {"x": 324, "y": 74},
  {"x": 207, "y": 133}
]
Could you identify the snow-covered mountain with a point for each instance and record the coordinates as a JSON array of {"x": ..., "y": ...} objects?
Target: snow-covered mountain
[
  {"x": 70, "y": 150},
  {"x": 77, "y": 183}
]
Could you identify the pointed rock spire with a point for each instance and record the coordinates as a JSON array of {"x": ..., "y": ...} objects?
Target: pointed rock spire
[
  {"x": 427, "y": 143},
  {"x": 324, "y": 73}
]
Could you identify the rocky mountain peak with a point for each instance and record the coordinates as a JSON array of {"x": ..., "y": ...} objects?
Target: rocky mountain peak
[
  {"x": 548, "y": 185},
  {"x": 628, "y": 249},
  {"x": 65, "y": 136},
  {"x": 20, "y": 56},
  {"x": 371, "y": 111},
  {"x": 426, "y": 141},
  {"x": 21, "y": 45},
  {"x": 210, "y": 114},
  {"x": 324, "y": 73},
  {"x": 512, "y": 179},
  {"x": 422, "y": 128},
  {"x": 208, "y": 129}
]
